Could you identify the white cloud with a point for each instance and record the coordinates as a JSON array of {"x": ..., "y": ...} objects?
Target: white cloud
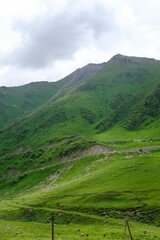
[{"x": 47, "y": 39}]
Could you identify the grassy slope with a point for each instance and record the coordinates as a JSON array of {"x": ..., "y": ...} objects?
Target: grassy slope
[
  {"x": 93, "y": 190},
  {"x": 111, "y": 230},
  {"x": 111, "y": 100},
  {"x": 41, "y": 174},
  {"x": 90, "y": 192},
  {"x": 17, "y": 102}
]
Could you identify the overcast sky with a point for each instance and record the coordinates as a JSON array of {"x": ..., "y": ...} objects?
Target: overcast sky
[{"x": 45, "y": 40}]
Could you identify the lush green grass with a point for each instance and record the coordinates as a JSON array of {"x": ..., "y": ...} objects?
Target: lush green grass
[
  {"x": 111, "y": 181},
  {"x": 119, "y": 133},
  {"x": 16, "y": 102},
  {"x": 53, "y": 159},
  {"x": 110, "y": 229},
  {"x": 93, "y": 194}
]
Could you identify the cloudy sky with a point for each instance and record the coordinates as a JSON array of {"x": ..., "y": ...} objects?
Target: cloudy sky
[{"x": 44, "y": 40}]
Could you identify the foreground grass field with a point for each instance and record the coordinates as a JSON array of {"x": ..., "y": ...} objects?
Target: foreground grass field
[
  {"x": 111, "y": 229},
  {"x": 91, "y": 189}
]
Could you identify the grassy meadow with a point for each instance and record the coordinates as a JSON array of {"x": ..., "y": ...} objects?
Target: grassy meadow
[
  {"x": 110, "y": 229},
  {"x": 90, "y": 194},
  {"x": 86, "y": 148}
]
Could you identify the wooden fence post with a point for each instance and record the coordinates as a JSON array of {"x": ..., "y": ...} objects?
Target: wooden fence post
[
  {"x": 125, "y": 228},
  {"x": 129, "y": 230},
  {"x": 52, "y": 226},
  {"x": 126, "y": 225}
]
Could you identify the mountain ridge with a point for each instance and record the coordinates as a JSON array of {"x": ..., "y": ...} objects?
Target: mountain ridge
[
  {"x": 24, "y": 96},
  {"x": 107, "y": 97}
]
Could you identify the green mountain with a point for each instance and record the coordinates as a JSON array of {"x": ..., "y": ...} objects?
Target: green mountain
[
  {"x": 16, "y": 102},
  {"x": 123, "y": 93},
  {"x": 90, "y": 151}
]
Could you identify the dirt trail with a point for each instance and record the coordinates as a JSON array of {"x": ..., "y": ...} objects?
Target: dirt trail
[{"x": 142, "y": 149}]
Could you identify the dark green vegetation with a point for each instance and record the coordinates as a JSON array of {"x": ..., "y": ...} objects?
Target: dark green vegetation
[
  {"x": 20, "y": 101},
  {"x": 123, "y": 93},
  {"x": 90, "y": 152}
]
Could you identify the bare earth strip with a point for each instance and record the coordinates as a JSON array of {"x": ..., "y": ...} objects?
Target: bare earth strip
[{"x": 143, "y": 149}]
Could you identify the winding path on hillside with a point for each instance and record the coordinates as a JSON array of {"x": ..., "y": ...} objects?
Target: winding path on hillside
[{"x": 142, "y": 149}]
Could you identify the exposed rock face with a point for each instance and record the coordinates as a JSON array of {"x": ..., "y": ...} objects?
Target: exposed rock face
[
  {"x": 93, "y": 150},
  {"x": 83, "y": 73},
  {"x": 124, "y": 59},
  {"x": 87, "y": 71},
  {"x": 79, "y": 76}
]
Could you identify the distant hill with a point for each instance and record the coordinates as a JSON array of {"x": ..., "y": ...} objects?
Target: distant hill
[
  {"x": 17, "y": 102},
  {"x": 123, "y": 92}
]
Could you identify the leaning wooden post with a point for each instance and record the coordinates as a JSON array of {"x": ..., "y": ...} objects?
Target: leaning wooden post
[
  {"x": 129, "y": 230},
  {"x": 125, "y": 228},
  {"x": 52, "y": 226}
]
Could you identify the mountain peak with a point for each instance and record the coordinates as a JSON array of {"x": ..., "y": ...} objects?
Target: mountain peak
[
  {"x": 85, "y": 72},
  {"x": 123, "y": 59},
  {"x": 129, "y": 59}
]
